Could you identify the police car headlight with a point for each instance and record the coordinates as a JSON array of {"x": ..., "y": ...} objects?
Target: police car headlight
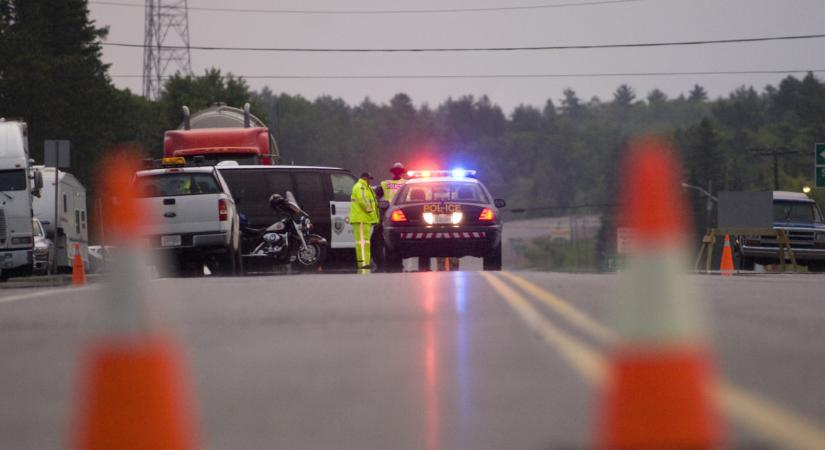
[
  {"x": 429, "y": 217},
  {"x": 456, "y": 218},
  {"x": 819, "y": 237}
]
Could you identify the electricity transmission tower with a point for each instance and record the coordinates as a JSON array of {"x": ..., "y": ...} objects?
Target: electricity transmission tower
[{"x": 166, "y": 43}]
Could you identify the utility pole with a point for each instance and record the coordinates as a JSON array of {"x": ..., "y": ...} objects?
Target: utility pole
[
  {"x": 775, "y": 153},
  {"x": 166, "y": 42}
]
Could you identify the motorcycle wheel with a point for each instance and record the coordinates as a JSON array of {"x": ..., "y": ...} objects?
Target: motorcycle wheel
[{"x": 312, "y": 257}]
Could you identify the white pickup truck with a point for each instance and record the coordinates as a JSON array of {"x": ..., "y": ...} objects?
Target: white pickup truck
[{"x": 191, "y": 221}]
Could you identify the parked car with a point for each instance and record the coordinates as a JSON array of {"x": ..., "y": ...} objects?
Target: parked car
[
  {"x": 100, "y": 258},
  {"x": 43, "y": 249}
]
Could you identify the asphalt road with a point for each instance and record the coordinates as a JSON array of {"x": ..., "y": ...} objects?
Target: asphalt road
[{"x": 460, "y": 360}]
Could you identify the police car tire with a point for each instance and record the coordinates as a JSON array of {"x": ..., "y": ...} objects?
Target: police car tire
[
  {"x": 393, "y": 261},
  {"x": 227, "y": 264},
  {"x": 493, "y": 260}
]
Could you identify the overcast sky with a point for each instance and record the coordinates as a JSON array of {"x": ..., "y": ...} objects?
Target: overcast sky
[{"x": 628, "y": 22}]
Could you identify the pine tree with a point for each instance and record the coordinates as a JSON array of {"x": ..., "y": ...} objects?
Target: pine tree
[{"x": 52, "y": 76}]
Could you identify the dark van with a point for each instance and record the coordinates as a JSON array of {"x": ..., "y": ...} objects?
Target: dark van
[{"x": 323, "y": 192}]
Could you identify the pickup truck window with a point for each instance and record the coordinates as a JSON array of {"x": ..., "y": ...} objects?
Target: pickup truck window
[
  {"x": 13, "y": 180},
  {"x": 174, "y": 184},
  {"x": 802, "y": 212}
]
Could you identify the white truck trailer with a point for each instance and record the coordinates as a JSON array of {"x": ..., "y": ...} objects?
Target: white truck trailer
[
  {"x": 73, "y": 227},
  {"x": 16, "y": 240}
]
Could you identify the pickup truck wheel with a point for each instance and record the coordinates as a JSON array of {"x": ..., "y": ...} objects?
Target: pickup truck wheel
[
  {"x": 190, "y": 266},
  {"x": 492, "y": 261},
  {"x": 227, "y": 264},
  {"x": 239, "y": 270}
]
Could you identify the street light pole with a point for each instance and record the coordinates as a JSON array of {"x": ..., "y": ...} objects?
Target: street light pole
[{"x": 711, "y": 199}]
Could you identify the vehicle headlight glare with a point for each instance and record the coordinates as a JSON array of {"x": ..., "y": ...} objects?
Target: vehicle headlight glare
[
  {"x": 456, "y": 218},
  {"x": 429, "y": 217}
]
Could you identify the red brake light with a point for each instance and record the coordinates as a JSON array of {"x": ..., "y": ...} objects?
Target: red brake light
[
  {"x": 398, "y": 216},
  {"x": 486, "y": 215},
  {"x": 223, "y": 211}
]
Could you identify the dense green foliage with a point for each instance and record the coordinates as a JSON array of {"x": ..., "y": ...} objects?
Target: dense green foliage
[{"x": 559, "y": 158}]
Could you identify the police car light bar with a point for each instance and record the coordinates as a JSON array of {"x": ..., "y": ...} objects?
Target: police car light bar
[{"x": 455, "y": 173}]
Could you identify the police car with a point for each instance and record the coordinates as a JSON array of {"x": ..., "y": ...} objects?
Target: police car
[{"x": 443, "y": 214}]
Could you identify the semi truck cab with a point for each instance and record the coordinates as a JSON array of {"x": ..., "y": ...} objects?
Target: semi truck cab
[{"x": 16, "y": 239}]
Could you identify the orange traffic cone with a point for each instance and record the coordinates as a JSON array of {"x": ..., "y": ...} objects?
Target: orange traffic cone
[
  {"x": 132, "y": 390},
  {"x": 133, "y": 399},
  {"x": 726, "y": 265},
  {"x": 659, "y": 390},
  {"x": 78, "y": 271}
]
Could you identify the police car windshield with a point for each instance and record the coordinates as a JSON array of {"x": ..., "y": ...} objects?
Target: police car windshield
[
  {"x": 173, "y": 184},
  {"x": 442, "y": 191}
]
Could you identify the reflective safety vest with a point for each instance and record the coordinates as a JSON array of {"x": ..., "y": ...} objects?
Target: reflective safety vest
[
  {"x": 364, "y": 207},
  {"x": 391, "y": 188}
]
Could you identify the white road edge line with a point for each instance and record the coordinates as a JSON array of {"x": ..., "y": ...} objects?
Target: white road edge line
[{"x": 45, "y": 293}]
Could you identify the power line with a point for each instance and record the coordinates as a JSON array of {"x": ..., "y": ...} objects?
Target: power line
[
  {"x": 483, "y": 49},
  {"x": 386, "y": 11},
  {"x": 493, "y": 76}
]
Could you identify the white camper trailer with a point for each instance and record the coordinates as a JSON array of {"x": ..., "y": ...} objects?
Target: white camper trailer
[{"x": 73, "y": 227}]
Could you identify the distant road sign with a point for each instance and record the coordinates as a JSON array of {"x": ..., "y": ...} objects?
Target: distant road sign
[
  {"x": 819, "y": 149},
  {"x": 819, "y": 165},
  {"x": 57, "y": 153}
]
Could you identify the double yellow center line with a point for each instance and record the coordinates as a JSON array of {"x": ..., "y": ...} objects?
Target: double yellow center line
[{"x": 781, "y": 426}]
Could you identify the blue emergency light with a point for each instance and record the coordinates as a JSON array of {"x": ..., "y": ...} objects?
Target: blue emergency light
[{"x": 455, "y": 173}]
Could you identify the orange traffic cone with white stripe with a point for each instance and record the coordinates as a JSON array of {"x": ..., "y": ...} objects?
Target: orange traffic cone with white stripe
[
  {"x": 659, "y": 389},
  {"x": 726, "y": 265},
  {"x": 133, "y": 396},
  {"x": 78, "y": 270}
]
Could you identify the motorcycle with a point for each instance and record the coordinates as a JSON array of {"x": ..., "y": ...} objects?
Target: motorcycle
[{"x": 288, "y": 240}]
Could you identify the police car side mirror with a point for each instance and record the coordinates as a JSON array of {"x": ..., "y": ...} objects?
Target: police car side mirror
[
  {"x": 499, "y": 203},
  {"x": 383, "y": 204}
]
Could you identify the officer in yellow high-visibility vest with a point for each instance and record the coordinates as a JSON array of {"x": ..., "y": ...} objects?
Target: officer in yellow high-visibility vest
[
  {"x": 363, "y": 214},
  {"x": 387, "y": 190}
]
